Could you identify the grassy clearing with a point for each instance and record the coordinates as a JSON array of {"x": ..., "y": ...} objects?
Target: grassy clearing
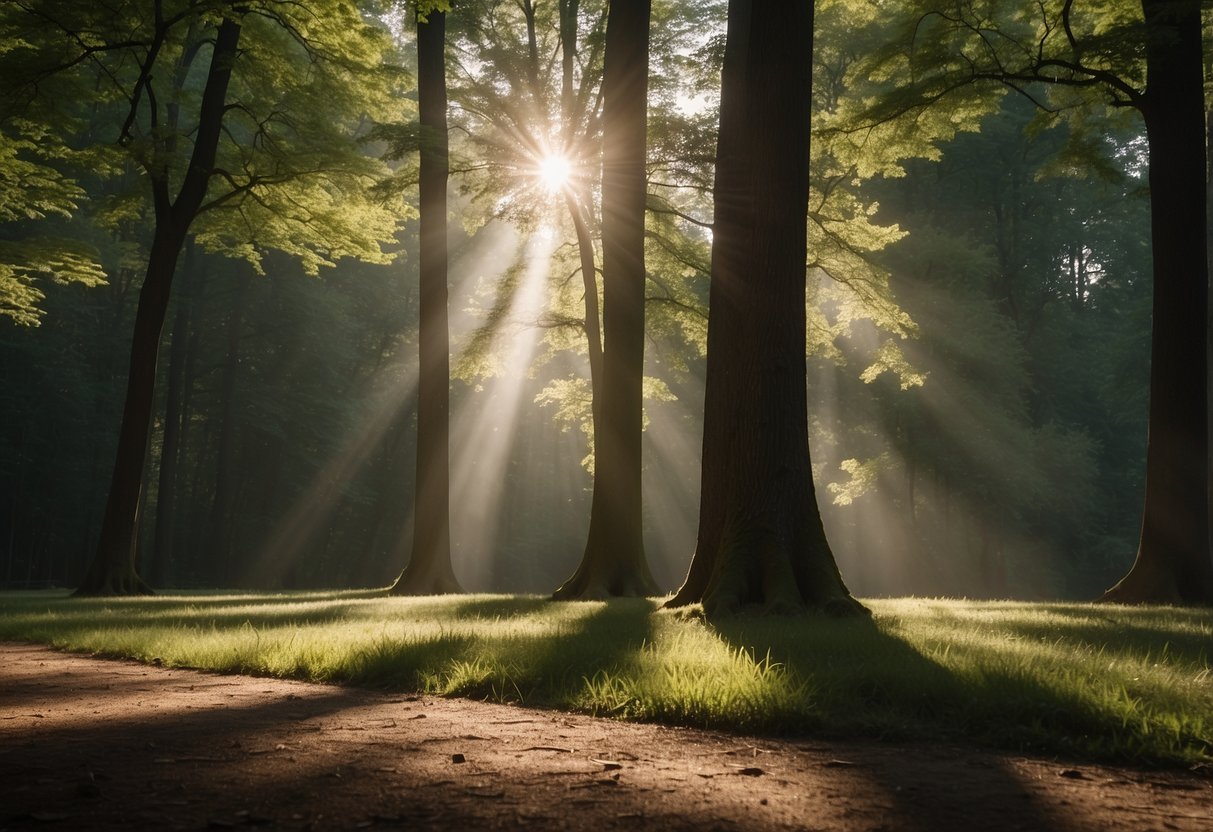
[{"x": 1101, "y": 682}]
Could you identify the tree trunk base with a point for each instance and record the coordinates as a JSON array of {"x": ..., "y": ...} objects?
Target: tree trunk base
[
  {"x": 584, "y": 587},
  {"x": 843, "y": 607},
  {"x": 603, "y": 574},
  {"x": 715, "y": 606},
  {"x": 752, "y": 573},
  {"x": 129, "y": 585},
  {"x": 1143, "y": 586},
  {"x": 424, "y": 582}
]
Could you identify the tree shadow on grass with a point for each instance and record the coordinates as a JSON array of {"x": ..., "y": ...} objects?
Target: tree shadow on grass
[
  {"x": 857, "y": 678},
  {"x": 527, "y": 650},
  {"x": 498, "y": 606},
  {"x": 863, "y": 679},
  {"x": 1181, "y": 634},
  {"x": 507, "y": 648},
  {"x": 863, "y": 682},
  {"x": 222, "y": 608},
  {"x": 20, "y": 614},
  {"x": 58, "y": 622}
]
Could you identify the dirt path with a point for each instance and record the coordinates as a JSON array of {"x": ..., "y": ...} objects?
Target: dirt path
[{"x": 94, "y": 744}]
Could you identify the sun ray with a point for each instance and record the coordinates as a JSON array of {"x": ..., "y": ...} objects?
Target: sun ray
[
  {"x": 672, "y": 445},
  {"x": 484, "y": 427},
  {"x": 311, "y": 512}
]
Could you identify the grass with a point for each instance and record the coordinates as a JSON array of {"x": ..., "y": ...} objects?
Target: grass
[{"x": 1080, "y": 681}]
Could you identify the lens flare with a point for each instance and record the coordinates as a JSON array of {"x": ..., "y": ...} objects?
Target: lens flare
[{"x": 555, "y": 171}]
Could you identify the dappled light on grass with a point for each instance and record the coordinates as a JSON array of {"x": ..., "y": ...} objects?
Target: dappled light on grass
[
  {"x": 1124, "y": 679},
  {"x": 693, "y": 677},
  {"x": 1113, "y": 683}
]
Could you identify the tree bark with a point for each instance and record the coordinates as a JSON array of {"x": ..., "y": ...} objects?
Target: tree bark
[
  {"x": 614, "y": 562},
  {"x": 112, "y": 571},
  {"x": 429, "y": 571},
  {"x": 589, "y": 282},
  {"x": 1173, "y": 563},
  {"x": 761, "y": 541}
]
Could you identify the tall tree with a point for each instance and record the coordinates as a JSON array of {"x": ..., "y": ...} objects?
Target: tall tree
[
  {"x": 761, "y": 540},
  {"x": 614, "y": 561},
  {"x": 1173, "y": 561},
  {"x": 113, "y": 568},
  {"x": 204, "y": 99},
  {"x": 429, "y": 569}
]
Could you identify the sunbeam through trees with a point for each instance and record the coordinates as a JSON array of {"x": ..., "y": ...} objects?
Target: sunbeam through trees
[{"x": 767, "y": 306}]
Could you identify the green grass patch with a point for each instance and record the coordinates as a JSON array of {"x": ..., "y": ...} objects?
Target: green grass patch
[{"x": 1085, "y": 681}]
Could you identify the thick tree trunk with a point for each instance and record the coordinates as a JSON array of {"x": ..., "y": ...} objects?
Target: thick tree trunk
[
  {"x": 614, "y": 561},
  {"x": 112, "y": 571},
  {"x": 429, "y": 571},
  {"x": 1173, "y": 563},
  {"x": 761, "y": 541}
]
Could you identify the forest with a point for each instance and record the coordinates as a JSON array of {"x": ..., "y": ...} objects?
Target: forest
[{"x": 367, "y": 294}]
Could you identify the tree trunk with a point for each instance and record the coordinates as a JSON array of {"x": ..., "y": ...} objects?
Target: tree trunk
[
  {"x": 429, "y": 571},
  {"x": 614, "y": 561},
  {"x": 1173, "y": 564},
  {"x": 112, "y": 571},
  {"x": 761, "y": 541},
  {"x": 589, "y": 282}
]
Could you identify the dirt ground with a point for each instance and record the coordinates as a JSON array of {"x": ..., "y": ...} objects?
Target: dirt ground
[{"x": 95, "y": 744}]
